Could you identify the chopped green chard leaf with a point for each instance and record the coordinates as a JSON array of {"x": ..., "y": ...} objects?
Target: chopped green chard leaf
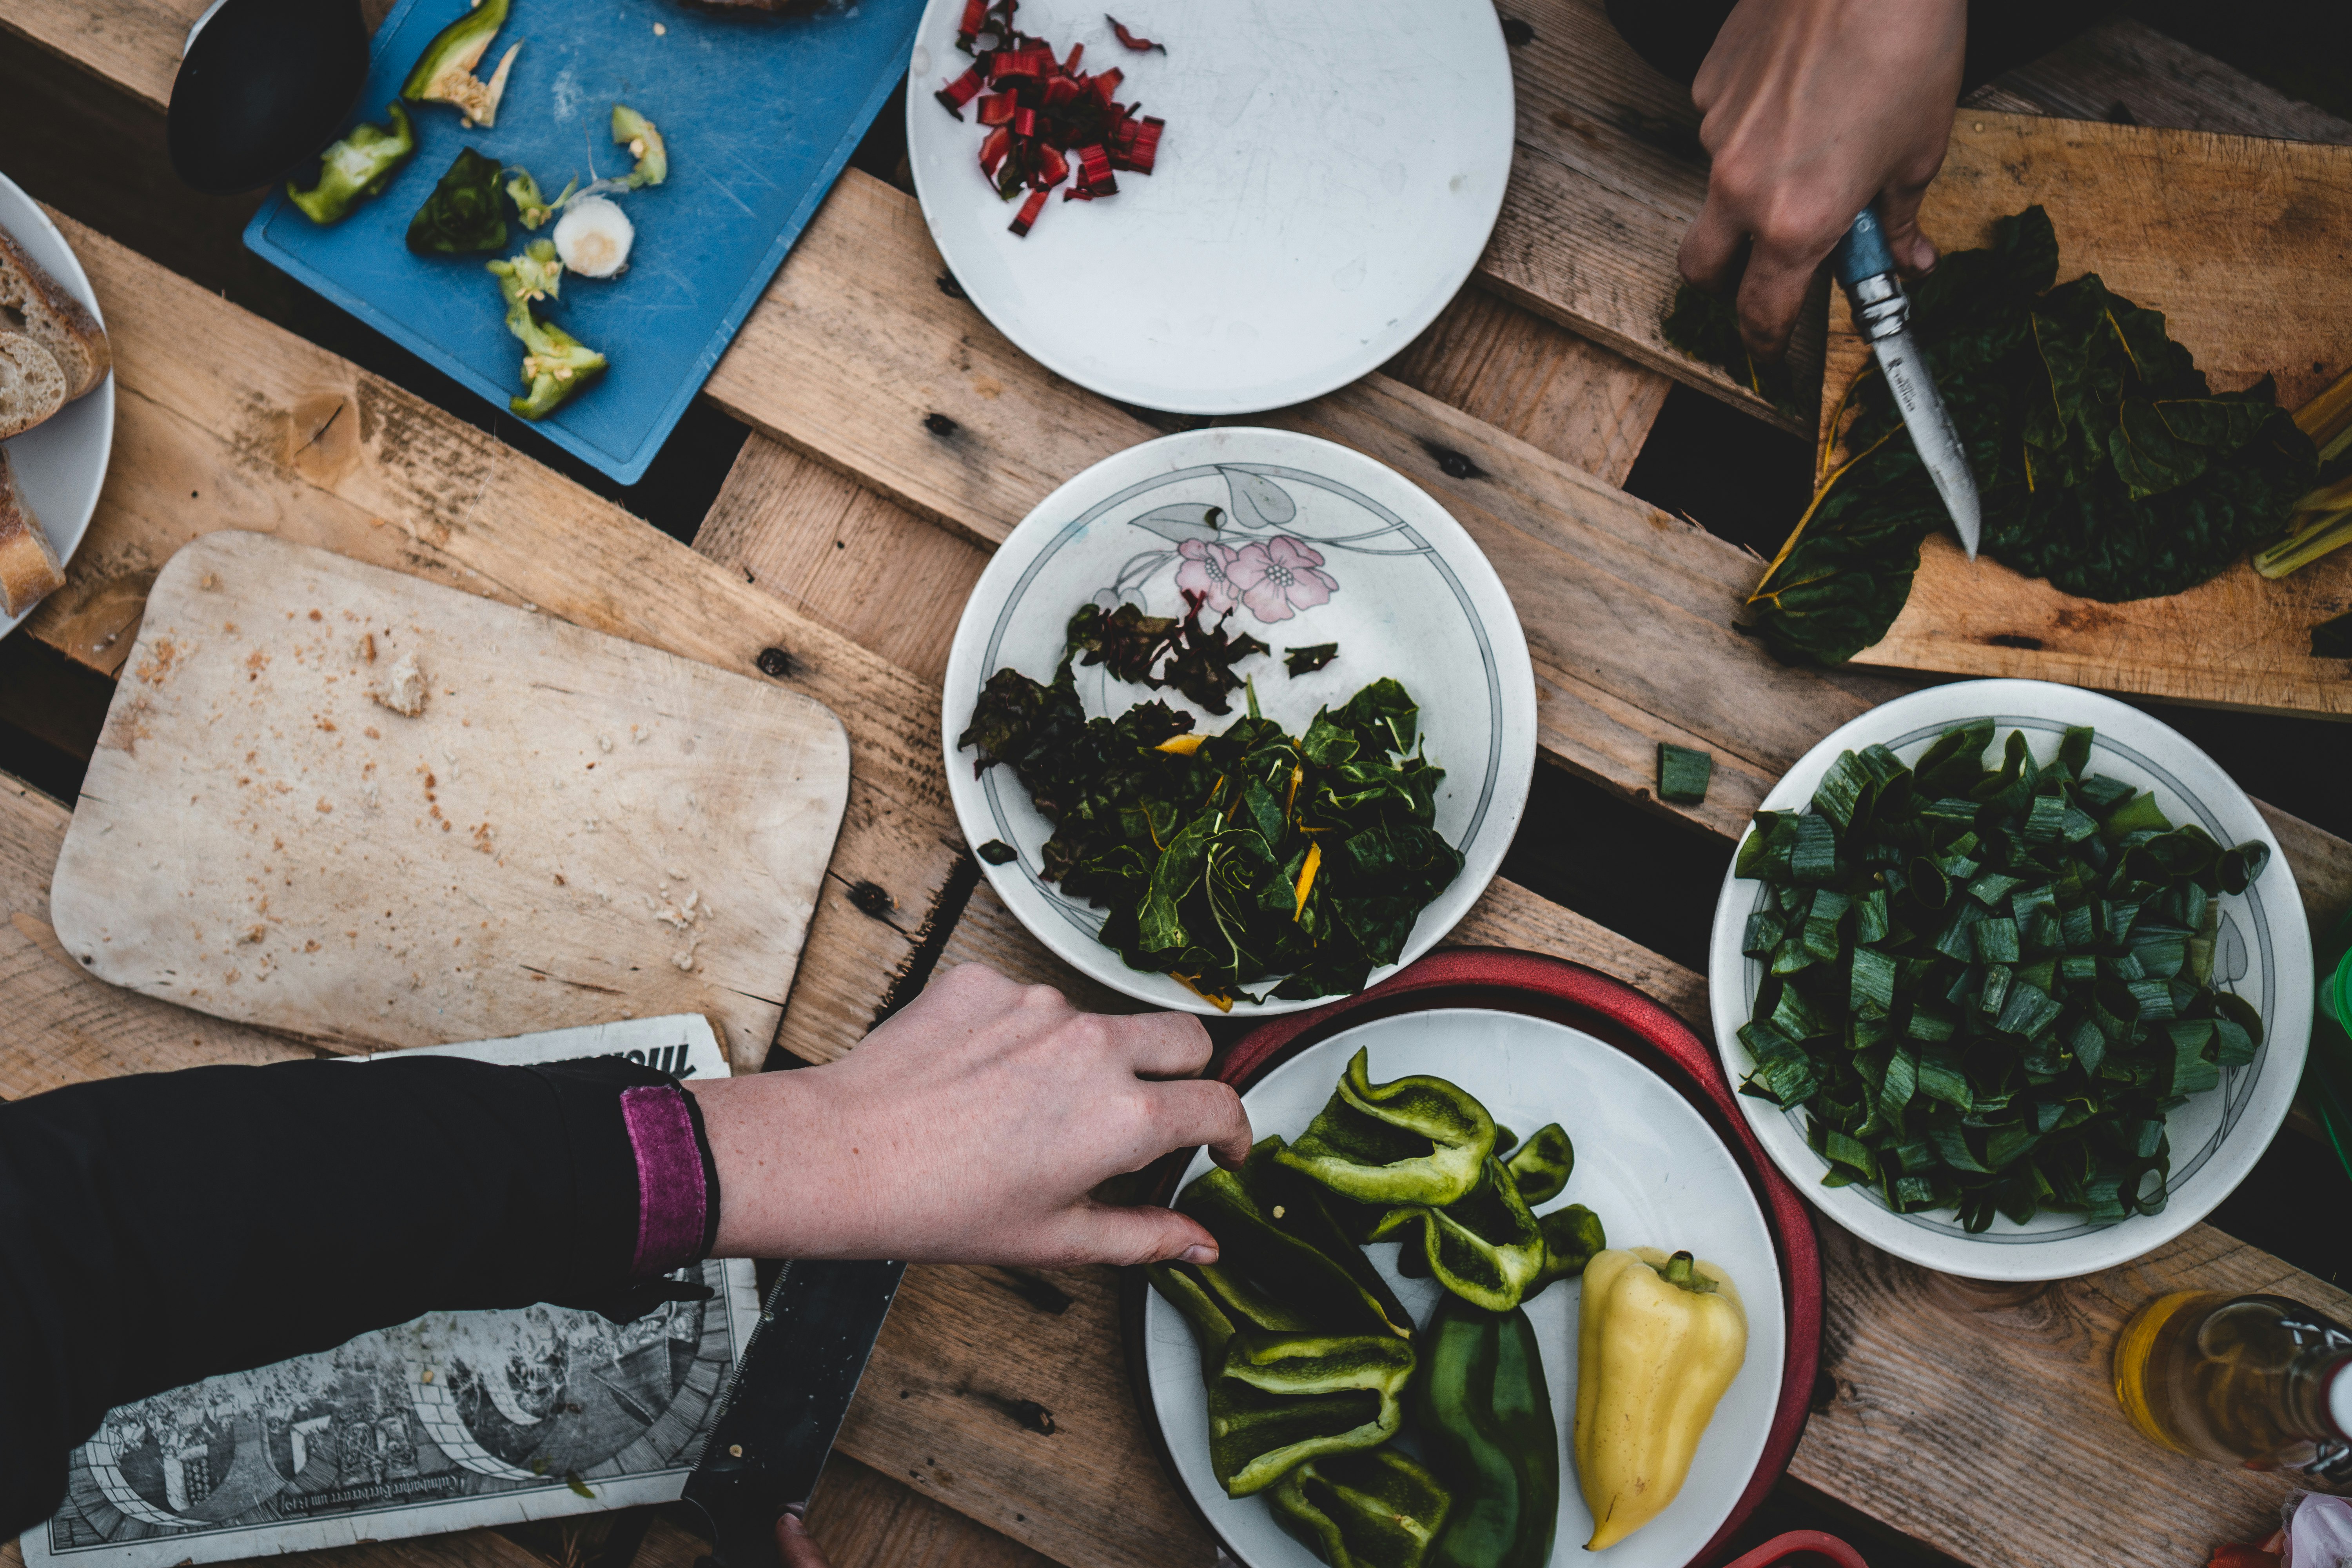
[
  {"x": 1232, "y": 859},
  {"x": 1165, "y": 650},
  {"x": 997, "y": 852},
  {"x": 1683, "y": 773},
  {"x": 1980, "y": 1006},
  {"x": 1308, "y": 660}
]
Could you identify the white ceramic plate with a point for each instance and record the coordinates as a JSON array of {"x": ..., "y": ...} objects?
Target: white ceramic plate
[
  {"x": 2263, "y": 954},
  {"x": 1646, "y": 1163},
  {"x": 1375, "y": 565},
  {"x": 61, "y": 462},
  {"x": 1326, "y": 180}
]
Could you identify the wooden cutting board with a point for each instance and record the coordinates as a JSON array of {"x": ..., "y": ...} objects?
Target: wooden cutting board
[
  {"x": 2246, "y": 247},
  {"x": 572, "y": 828}
]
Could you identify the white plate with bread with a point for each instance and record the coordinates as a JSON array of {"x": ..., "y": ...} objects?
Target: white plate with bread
[{"x": 56, "y": 405}]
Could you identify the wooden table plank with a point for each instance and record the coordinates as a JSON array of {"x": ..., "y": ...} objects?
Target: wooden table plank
[
  {"x": 226, "y": 421},
  {"x": 1592, "y": 219},
  {"x": 2157, "y": 80}
]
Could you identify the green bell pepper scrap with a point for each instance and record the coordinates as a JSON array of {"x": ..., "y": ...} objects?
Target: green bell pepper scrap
[
  {"x": 1483, "y": 1413},
  {"x": 1542, "y": 1164},
  {"x": 645, "y": 144},
  {"x": 1484, "y": 1247},
  {"x": 555, "y": 364},
  {"x": 444, "y": 71},
  {"x": 357, "y": 167},
  {"x": 1572, "y": 1235},
  {"x": 533, "y": 208},
  {"x": 1282, "y": 1399},
  {"x": 1415, "y": 1141},
  {"x": 1284, "y": 1262},
  {"x": 1371, "y": 1508},
  {"x": 462, "y": 213}
]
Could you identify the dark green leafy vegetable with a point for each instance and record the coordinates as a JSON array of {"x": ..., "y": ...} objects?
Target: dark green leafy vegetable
[
  {"x": 1308, "y": 660},
  {"x": 1165, "y": 650},
  {"x": 1239, "y": 857},
  {"x": 2103, "y": 460},
  {"x": 1707, "y": 327},
  {"x": 997, "y": 852},
  {"x": 1683, "y": 773},
  {"x": 463, "y": 212},
  {"x": 1988, "y": 986}
]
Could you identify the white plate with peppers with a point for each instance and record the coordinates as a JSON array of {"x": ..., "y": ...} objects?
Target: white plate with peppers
[
  {"x": 1645, "y": 1163},
  {"x": 1210, "y": 206}
]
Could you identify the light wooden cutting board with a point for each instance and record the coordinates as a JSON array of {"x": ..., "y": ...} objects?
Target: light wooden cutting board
[
  {"x": 573, "y": 828},
  {"x": 2246, "y": 247}
]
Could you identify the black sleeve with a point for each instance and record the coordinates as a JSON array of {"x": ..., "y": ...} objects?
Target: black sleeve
[{"x": 159, "y": 1229}]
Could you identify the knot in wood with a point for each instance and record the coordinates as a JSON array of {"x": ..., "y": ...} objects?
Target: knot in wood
[
  {"x": 774, "y": 662},
  {"x": 940, "y": 424},
  {"x": 1453, "y": 464},
  {"x": 871, "y": 899}
]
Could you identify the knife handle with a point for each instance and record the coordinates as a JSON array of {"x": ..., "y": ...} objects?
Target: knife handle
[{"x": 1863, "y": 252}]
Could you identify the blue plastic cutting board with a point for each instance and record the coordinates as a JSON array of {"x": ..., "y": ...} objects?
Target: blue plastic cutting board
[{"x": 759, "y": 113}]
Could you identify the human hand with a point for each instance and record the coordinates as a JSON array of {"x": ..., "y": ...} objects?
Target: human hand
[
  {"x": 971, "y": 1128},
  {"x": 1812, "y": 110},
  {"x": 794, "y": 1545}
]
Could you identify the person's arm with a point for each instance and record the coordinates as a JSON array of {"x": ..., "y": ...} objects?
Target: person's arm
[
  {"x": 1811, "y": 111},
  {"x": 159, "y": 1229}
]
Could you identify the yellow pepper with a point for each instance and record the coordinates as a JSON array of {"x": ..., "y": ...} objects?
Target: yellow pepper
[{"x": 1658, "y": 1341}]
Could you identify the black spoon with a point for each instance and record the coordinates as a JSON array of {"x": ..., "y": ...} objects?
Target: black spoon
[{"x": 263, "y": 86}]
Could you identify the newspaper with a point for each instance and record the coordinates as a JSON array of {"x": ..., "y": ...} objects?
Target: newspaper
[{"x": 455, "y": 1421}]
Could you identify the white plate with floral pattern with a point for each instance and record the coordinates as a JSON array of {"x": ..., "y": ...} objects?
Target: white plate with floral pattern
[
  {"x": 2262, "y": 952},
  {"x": 1309, "y": 544}
]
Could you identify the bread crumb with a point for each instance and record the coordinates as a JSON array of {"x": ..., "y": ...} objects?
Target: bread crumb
[
  {"x": 402, "y": 690},
  {"x": 367, "y": 648},
  {"x": 605, "y": 742}
]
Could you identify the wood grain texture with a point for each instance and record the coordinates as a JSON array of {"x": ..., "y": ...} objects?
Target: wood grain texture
[
  {"x": 2158, "y": 80},
  {"x": 1561, "y": 393},
  {"x": 2244, "y": 244},
  {"x": 570, "y": 827},
  {"x": 224, "y": 421},
  {"x": 863, "y": 1519},
  {"x": 1980, "y": 1418},
  {"x": 843, "y": 556}
]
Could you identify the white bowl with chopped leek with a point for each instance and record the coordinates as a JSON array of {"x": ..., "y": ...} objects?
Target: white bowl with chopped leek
[{"x": 2015, "y": 1012}]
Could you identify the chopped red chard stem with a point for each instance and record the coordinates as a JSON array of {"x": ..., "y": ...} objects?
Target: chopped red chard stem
[
  {"x": 1141, "y": 46},
  {"x": 1029, "y": 211},
  {"x": 1046, "y": 122}
]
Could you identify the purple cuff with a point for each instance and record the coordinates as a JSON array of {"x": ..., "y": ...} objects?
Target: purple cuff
[{"x": 670, "y": 1190}]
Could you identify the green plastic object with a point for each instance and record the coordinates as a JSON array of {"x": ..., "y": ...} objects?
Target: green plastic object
[
  {"x": 2327, "y": 1071},
  {"x": 1683, "y": 773}
]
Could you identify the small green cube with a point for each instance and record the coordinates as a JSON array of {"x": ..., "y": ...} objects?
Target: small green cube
[{"x": 1682, "y": 774}]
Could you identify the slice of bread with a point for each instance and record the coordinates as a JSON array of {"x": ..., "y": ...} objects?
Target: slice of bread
[
  {"x": 38, "y": 305},
  {"x": 29, "y": 568},
  {"x": 32, "y": 388}
]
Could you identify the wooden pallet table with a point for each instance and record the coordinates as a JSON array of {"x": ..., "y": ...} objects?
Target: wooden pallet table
[{"x": 994, "y": 1425}]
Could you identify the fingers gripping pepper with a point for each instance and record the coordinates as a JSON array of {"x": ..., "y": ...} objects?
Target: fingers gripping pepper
[
  {"x": 1483, "y": 1413},
  {"x": 1484, "y": 1247},
  {"x": 357, "y": 167},
  {"x": 1371, "y": 1508},
  {"x": 1658, "y": 1341},
  {"x": 1413, "y": 1141}
]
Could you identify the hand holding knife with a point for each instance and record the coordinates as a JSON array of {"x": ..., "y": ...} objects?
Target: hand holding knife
[{"x": 1865, "y": 268}]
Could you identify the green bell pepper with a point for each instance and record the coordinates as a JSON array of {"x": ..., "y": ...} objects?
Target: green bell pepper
[
  {"x": 645, "y": 144},
  {"x": 444, "y": 71},
  {"x": 1284, "y": 1262},
  {"x": 357, "y": 167},
  {"x": 555, "y": 364},
  {"x": 1483, "y": 1413},
  {"x": 1542, "y": 1164},
  {"x": 1282, "y": 1399},
  {"x": 1571, "y": 1237},
  {"x": 1371, "y": 1508},
  {"x": 1540, "y": 1168},
  {"x": 1486, "y": 1247},
  {"x": 532, "y": 207},
  {"x": 1415, "y": 1141},
  {"x": 462, "y": 213}
]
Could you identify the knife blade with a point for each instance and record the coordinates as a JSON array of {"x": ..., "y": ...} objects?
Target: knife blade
[
  {"x": 1865, "y": 267},
  {"x": 784, "y": 1401}
]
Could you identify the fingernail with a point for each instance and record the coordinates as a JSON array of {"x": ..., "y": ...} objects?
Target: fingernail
[
  {"x": 791, "y": 1523},
  {"x": 1196, "y": 1253}
]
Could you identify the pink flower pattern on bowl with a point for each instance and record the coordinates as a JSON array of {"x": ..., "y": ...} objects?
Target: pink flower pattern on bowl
[
  {"x": 1207, "y": 570},
  {"x": 1278, "y": 577}
]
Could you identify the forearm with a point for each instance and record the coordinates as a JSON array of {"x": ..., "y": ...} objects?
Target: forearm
[{"x": 160, "y": 1229}]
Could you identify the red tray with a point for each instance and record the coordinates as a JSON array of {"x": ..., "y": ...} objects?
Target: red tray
[{"x": 1512, "y": 982}]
